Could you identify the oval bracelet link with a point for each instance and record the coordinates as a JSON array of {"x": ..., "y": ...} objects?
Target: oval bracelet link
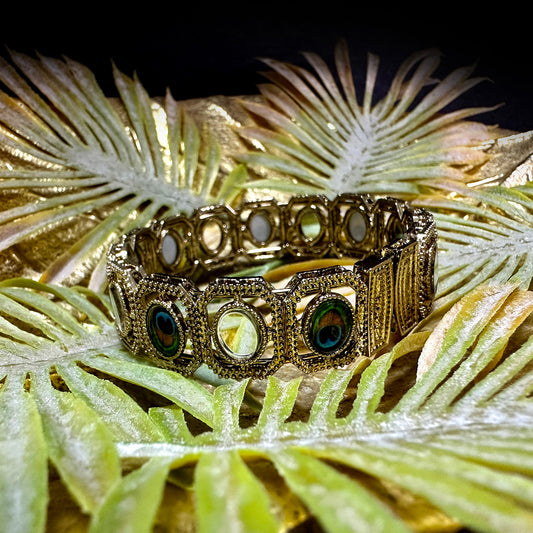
[{"x": 245, "y": 327}]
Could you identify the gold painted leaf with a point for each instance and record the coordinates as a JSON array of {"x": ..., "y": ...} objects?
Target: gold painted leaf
[{"x": 94, "y": 167}]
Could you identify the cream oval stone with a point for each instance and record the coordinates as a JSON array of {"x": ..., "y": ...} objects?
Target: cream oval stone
[
  {"x": 212, "y": 234},
  {"x": 260, "y": 227},
  {"x": 238, "y": 334},
  {"x": 169, "y": 249},
  {"x": 357, "y": 226}
]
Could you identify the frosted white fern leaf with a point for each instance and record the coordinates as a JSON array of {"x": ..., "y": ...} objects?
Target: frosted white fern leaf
[
  {"x": 484, "y": 235},
  {"x": 321, "y": 133}
]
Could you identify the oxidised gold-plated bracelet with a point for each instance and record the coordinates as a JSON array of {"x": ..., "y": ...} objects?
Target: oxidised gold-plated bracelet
[{"x": 177, "y": 300}]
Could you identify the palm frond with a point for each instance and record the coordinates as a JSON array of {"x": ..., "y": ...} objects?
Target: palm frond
[
  {"x": 53, "y": 409},
  {"x": 459, "y": 442},
  {"x": 121, "y": 163},
  {"x": 458, "y": 437},
  {"x": 485, "y": 234},
  {"x": 319, "y": 132}
]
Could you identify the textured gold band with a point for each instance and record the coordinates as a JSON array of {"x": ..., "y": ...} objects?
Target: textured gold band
[{"x": 248, "y": 327}]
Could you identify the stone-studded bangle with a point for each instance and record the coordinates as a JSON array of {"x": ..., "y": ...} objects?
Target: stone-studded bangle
[{"x": 177, "y": 300}]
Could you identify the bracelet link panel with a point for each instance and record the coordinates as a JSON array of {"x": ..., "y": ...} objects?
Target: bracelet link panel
[
  {"x": 406, "y": 289},
  {"x": 215, "y": 239},
  {"x": 426, "y": 235},
  {"x": 333, "y": 325},
  {"x": 380, "y": 304},
  {"x": 166, "y": 317},
  {"x": 245, "y": 327},
  {"x": 307, "y": 227},
  {"x": 354, "y": 225},
  {"x": 261, "y": 233},
  {"x": 175, "y": 247},
  {"x": 236, "y": 335}
]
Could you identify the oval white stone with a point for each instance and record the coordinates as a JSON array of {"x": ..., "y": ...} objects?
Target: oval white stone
[
  {"x": 357, "y": 226},
  {"x": 260, "y": 227},
  {"x": 169, "y": 249}
]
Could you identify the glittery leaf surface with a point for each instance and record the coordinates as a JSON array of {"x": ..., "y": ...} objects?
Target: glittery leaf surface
[{"x": 464, "y": 421}]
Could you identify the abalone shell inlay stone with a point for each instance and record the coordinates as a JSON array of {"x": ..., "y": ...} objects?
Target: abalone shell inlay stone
[
  {"x": 163, "y": 331},
  {"x": 330, "y": 325}
]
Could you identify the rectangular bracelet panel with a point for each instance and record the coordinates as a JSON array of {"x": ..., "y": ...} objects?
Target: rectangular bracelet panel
[
  {"x": 406, "y": 289},
  {"x": 380, "y": 304}
]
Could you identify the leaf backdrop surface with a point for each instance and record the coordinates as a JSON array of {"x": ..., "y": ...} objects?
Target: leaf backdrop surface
[
  {"x": 475, "y": 443},
  {"x": 330, "y": 136},
  {"x": 434, "y": 435}
]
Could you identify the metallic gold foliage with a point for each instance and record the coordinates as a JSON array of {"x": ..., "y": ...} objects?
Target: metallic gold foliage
[
  {"x": 96, "y": 167},
  {"x": 511, "y": 160}
]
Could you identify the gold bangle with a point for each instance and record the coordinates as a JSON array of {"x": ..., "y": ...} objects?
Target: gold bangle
[{"x": 246, "y": 326}]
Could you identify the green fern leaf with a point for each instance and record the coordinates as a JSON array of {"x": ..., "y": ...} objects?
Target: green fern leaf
[
  {"x": 48, "y": 337},
  {"x": 249, "y": 508},
  {"x": 23, "y": 458},
  {"x": 328, "y": 139},
  {"x": 458, "y": 437},
  {"x": 122, "y": 165},
  {"x": 132, "y": 504}
]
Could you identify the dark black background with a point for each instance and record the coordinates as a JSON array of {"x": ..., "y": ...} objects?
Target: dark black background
[{"x": 200, "y": 50}]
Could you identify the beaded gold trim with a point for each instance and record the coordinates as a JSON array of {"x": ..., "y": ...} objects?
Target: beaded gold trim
[{"x": 246, "y": 326}]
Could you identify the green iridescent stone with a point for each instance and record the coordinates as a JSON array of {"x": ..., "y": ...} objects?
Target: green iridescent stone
[
  {"x": 163, "y": 331},
  {"x": 330, "y": 325}
]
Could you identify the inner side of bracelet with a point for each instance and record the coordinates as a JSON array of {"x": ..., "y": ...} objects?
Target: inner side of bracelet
[{"x": 247, "y": 326}]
